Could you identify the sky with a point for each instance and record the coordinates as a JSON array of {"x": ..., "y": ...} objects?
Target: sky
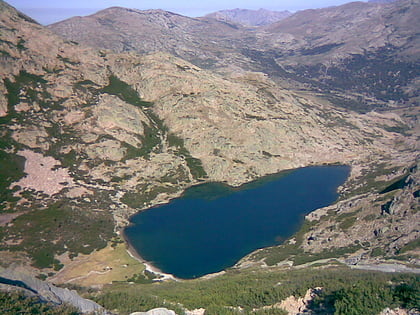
[{"x": 50, "y": 11}]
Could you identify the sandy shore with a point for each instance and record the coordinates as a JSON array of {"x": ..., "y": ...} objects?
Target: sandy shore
[{"x": 149, "y": 267}]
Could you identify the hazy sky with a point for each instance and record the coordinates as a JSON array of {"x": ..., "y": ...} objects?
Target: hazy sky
[{"x": 49, "y": 11}]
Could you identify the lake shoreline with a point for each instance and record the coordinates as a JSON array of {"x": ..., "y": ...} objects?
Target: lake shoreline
[
  {"x": 148, "y": 265},
  {"x": 188, "y": 264}
]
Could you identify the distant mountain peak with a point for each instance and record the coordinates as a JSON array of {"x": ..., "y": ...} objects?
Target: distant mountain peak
[
  {"x": 250, "y": 17},
  {"x": 382, "y": 1}
]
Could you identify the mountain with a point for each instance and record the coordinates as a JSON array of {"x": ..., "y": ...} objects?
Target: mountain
[
  {"x": 124, "y": 131},
  {"x": 249, "y": 17},
  {"x": 335, "y": 50},
  {"x": 382, "y": 1},
  {"x": 90, "y": 137},
  {"x": 326, "y": 51},
  {"x": 121, "y": 29}
]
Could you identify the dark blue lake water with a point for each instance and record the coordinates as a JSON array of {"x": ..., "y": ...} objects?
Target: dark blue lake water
[{"x": 212, "y": 225}]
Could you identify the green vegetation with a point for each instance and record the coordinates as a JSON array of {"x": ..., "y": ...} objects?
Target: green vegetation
[
  {"x": 12, "y": 303},
  {"x": 376, "y": 252},
  {"x": 368, "y": 181},
  {"x": 124, "y": 91},
  {"x": 292, "y": 251},
  {"x": 143, "y": 278},
  {"x": 145, "y": 193},
  {"x": 252, "y": 290},
  {"x": 347, "y": 223},
  {"x": 370, "y": 217},
  {"x": 44, "y": 233},
  {"x": 149, "y": 142},
  {"x": 370, "y": 297},
  {"x": 30, "y": 88},
  {"x": 21, "y": 44},
  {"x": 153, "y": 132},
  {"x": 415, "y": 244},
  {"x": 319, "y": 49},
  {"x": 11, "y": 170},
  {"x": 194, "y": 164},
  {"x": 397, "y": 184},
  {"x": 64, "y": 136}
]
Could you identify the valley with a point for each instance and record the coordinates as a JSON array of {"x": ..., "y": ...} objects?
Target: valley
[{"x": 107, "y": 115}]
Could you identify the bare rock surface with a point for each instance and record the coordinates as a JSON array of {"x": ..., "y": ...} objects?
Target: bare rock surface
[
  {"x": 42, "y": 174},
  {"x": 15, "y": 279},
  {"x": 156, "y": 311},
  {"x": 250, "y": 17}
]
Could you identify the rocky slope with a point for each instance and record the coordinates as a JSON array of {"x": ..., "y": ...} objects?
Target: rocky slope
[
  {"x": 336, "y": 51},
  {"x": 326, "y": 50},
  {"x": 121, "y": 29},
  {"x": 90, "y": 137},
  {"x": 249, "y": 17},
  {"x": 20, "y": 280}
]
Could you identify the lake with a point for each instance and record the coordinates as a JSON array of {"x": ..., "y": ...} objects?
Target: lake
[{"x": 213, "y": 225}]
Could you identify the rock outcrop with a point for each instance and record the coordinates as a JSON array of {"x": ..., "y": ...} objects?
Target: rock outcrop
[
  {"x": 156, "y": 311},
  {"x": 19, "y": 280},
  {"x": 250, "y": 17}
]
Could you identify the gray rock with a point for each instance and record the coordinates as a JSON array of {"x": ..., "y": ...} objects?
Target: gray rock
[
  {"x": 156, "y": 311},
  {"x": 47, "y": 291}
]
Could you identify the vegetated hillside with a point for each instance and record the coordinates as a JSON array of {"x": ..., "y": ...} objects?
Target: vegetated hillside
[
  {"x": 90, "y": 137},
  {"x": 368, "y": 49},
  {"x": 249, "y": 17},
  {"x": 358, "y": 55}
]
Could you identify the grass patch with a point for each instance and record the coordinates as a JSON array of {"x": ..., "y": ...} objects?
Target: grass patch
[
  {"x": 44, "y": 233},
  {"x": 112, "y": 264},
  {"x": 370, "y": 217},
  {"x": 376, "y": 252},
  {"x": 325, "y": 254},
  {"x": 415, "y": 244},
  {"x": 347, "y": 223}
]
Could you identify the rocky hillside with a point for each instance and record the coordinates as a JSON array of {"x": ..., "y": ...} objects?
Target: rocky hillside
[
  {"x": 90, "y": 137},
  {"x": 20, "y": 280},
  {"x": 334, "y": 51},
  {"x": 249, "y": 17},
  {"x": 327, "y": 51},
  {"x": 121, "y": 29}
]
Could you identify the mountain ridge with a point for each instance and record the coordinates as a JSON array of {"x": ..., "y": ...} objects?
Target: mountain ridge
[
  {"x": 116, "y": 133},
  {"x": 249, "y": 17},
  {"x": 328, "y": 53}
]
